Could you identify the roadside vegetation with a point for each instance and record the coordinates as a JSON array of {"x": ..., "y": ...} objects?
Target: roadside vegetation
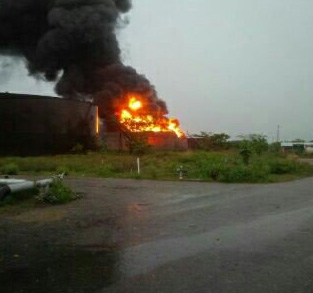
[{"x": 250, "y": 159}]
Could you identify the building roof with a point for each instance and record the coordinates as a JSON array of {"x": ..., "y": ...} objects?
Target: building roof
[{"x": 291, "y": 144}]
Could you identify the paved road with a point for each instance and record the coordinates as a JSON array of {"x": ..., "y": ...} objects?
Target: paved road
[{"x": 144, "y": 236}]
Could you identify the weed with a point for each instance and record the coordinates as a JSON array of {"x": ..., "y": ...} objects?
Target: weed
[
  {"x": 283, "y": 166},
  {"x": 57, "y": 193}
]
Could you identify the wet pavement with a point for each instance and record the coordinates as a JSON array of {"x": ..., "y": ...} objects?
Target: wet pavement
[{"x": 152, "y": 236}]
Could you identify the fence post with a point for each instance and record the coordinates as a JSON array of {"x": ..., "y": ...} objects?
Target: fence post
[{"x": 138, "y": 165}]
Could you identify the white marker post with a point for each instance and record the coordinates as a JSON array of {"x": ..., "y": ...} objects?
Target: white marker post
[{"x": 138, "y": 165}]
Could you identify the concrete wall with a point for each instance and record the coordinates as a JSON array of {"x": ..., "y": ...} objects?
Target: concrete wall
[
  {"x": 115, "y": 141},
  {"x": 167, "y": 141},
  {"x": 159, "y": 141},
  {"x": 33, "y": 125}
]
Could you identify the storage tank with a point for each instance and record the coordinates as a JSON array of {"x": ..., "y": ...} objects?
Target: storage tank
[{"x": 34, "y": 125}]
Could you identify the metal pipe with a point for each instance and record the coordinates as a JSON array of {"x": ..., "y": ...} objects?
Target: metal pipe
[
  {"x": 16, "y": 185},
  {"x": 21, "y": 186},
  {"x": 44, "y": 182},
  {"x": 11, "y": 181}
]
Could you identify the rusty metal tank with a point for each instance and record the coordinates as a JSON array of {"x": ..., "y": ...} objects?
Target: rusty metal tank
[{"x": 35, "y": 125}]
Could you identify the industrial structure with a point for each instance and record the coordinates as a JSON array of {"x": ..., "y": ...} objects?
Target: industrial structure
[
  {"x": 37, "y": 125},
  {"x": 34, "y": 125}
]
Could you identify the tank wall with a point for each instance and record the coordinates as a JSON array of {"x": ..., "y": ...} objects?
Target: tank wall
[{"x": 44, "y": 125}]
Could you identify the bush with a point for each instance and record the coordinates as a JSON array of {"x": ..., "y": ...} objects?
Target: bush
[
  {"x": 256, "y": 143},
  {"x": 245, "y": 154},
  {"x": 275, "y": 148},
  {"x": 241, "y": 173},
  {"x": 58, "y": 193},
  {"x": 282, "y": 167},
  {"x": 10, "y": 169}
]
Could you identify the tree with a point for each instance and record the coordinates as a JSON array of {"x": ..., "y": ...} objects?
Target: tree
[
  {"x": 275, "y": 147},
  {"x": 212, "y": 141},
  {"x": 256, "y": 143},
  {"x": 245, "y": 154}
]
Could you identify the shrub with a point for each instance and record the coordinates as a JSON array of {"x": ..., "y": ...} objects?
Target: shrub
[
  {"x": 58, "y": 193},
  {"x": 257, "y": 143},
  {"x": 275, "y": 148},
  {"x": 282, "y": 166},
  {"x": 242, "y": 173},
  {"x": 10, "y": 169},
  {"x": 246, "y": 154}
]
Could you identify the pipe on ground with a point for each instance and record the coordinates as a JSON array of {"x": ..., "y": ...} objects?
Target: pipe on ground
[{"x": 16, "y": 185}]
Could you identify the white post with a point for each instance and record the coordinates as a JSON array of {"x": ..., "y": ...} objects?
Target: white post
[{"x": 138, "y": 165}]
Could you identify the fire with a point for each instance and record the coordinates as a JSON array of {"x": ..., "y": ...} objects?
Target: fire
[
  {"x": 134, "y": 104},
  {"x": 137, "y": 118}
]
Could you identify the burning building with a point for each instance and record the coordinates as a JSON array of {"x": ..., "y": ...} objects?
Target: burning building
[
  {"x": 74, "y": 43},
  {"x": 33, "y": 125},
  {"x": 133, "y": 120}
]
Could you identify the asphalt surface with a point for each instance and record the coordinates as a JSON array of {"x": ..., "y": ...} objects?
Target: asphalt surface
[{"x": 151, "y": 236}]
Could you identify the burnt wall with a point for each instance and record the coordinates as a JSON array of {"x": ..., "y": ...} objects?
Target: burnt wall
[{"x": 34, "y": 125}]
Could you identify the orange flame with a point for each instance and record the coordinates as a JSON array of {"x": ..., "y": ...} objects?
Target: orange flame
[
  {"x": 134, "y": 104},
  {"x": 136, "y": 118}
]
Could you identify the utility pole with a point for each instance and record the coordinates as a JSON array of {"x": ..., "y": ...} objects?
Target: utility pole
[{"x": 278, "y": 134}]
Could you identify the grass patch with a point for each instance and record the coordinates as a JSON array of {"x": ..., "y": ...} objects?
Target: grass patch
[
  {"x": 224, "y": 166},
  {"x": 10, "y": 169}
]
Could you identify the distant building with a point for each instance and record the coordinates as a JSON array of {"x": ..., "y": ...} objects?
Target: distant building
[{"x": 289, "y": 147}]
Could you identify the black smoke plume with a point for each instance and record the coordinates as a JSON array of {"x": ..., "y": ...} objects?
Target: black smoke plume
[{"x": 74, "y": 43}]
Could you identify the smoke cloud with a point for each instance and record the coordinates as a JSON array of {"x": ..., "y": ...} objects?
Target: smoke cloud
[{"x": 74, "y": 43}]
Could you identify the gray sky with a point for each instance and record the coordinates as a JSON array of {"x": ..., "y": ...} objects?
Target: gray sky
[{"x": 238, "y": 66}]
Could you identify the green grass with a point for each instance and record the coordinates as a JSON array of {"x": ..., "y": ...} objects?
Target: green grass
[{"x": 200, "y": 165}]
